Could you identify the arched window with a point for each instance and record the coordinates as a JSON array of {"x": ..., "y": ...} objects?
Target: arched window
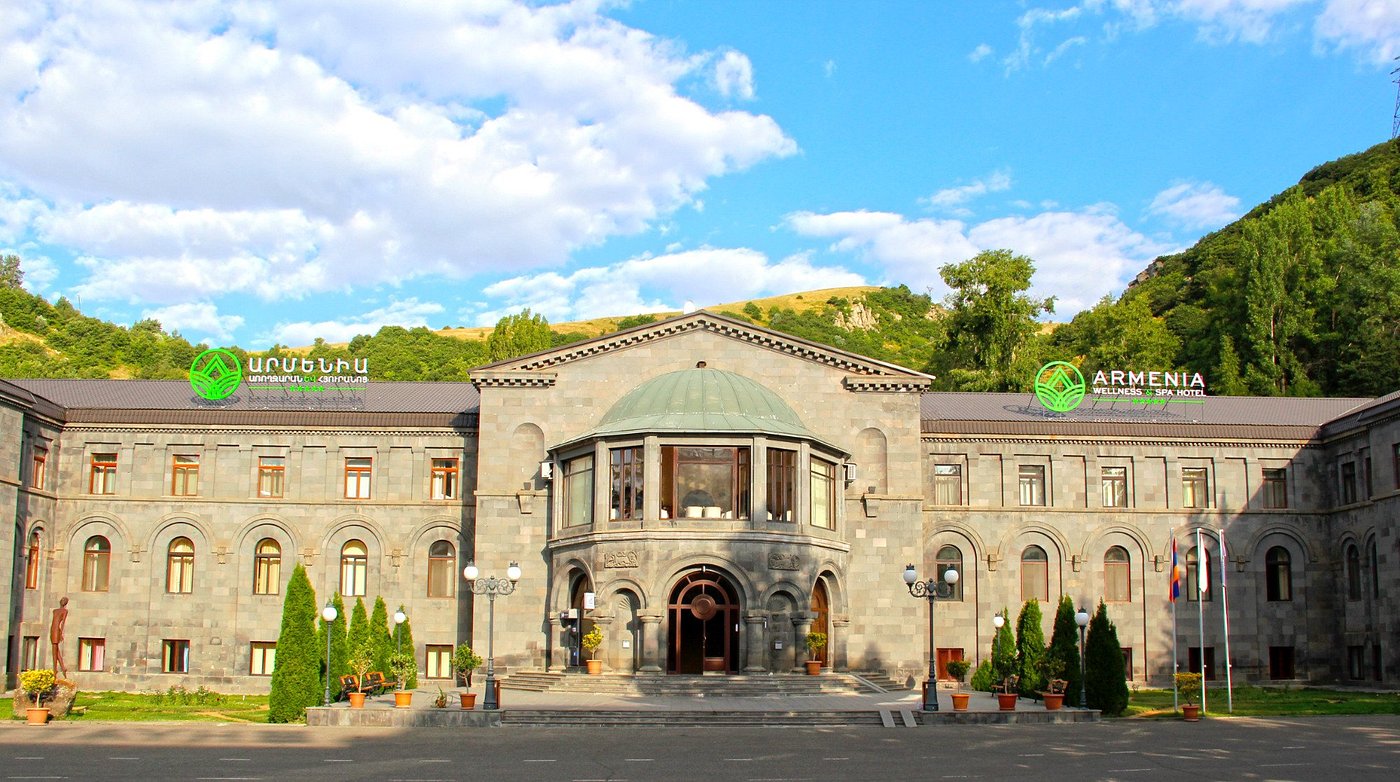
[
  {"x": 354, "y": 567},
  {"x": 442, "y": 569},
  {"x": 1195, "y": 559},
  {"x": 97, "y": 563},
  {"x": 179, "y": 567},
  {"x": 1278, "y": 575},
  {"x": 1353, "y": 572},
  {"x": 1375, "y": 568},
  {"x": 267, "y": 567},
  {"x": 950, "y": 558},
  {"x": 1035, "y": 574},
  {"x": 31, "y": 563},
  {"x": 1117, "y": 576}
]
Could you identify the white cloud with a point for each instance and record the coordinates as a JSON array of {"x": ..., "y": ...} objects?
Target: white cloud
[
  {"x": 996, "y": 182},
  {"x": 409, "y": 313},
  {"x": 1195, "y": 205},
  {"x": 40, "y": 272},
  {"x": 982, "y": 52},
  {"x": 1222, "y": 21},
  {"x": 347, "y": 144},
  {"x": 705, "y": 276},
  {"x": 1065, "y": 46},
  {"x": 1079, "y": 256},
  {"x": 1372, "y": 26},
  {"x": 1028, "y": 22},
  {"x": 197, "y": 322},
  {"x": 734, "y": 76}
]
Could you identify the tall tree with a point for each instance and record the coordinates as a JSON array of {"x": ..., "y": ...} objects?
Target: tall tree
[
  {"x": 1119, "y": 335},
  {"x": 1105, "y": 681},
  {"x": 381, "y": 643},
  {"x": 403, "y": 639},
  {"x": 519, "y": 335},
  {"x": 1004, "y": 650},
  {"x": 1064, "y": 647},
  {"x": 340, "y": 645},
  {"x": 1030, "y": 648},
  {"x": 296, "y": 673},
  {"x": 990, "y": 318},
  {"x": 359, "y": 636},
  {"x": 11, "y": 275}
]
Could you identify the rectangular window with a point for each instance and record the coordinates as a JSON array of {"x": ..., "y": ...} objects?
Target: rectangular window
[
  {"x": 1195, "y": 488},
  {"x": 1356, "y": 662},
  {"x": 705, "y": 482},
  {"x": 103, "y": 476},
  {"x": 823, "y": 494},
  {"x": 578, "y": 491},
  {"x": 272, "y": 474},
  {"x": 175, "y": 656},
  {"x": 627, "y": 477},
  {"x": 358, "y": 471},
  {"x": 439, "y": 661},
  {"x": 92, "y": 654},
  {"x": 445, "y": 479},
  {"x": 1193, "y": 662},
  {"x": 38, "y": 472},
  {"x": 32, "y": 562},
  {"x": 1274, "y": 492},
  {"x": 782, "y": 484},
  {"x": 1117, "y": 579},
  {"x": 947, "y": 484},
  {"x": 1115, "y": 487},
  {"x": 29, "y": 653},
  {"x": 1281, "y": 662},
  {"x": 184, "y": 475},
  {"x": 1348, "y": 483},
  {"x": 263, "y": 657},
  {"x": 1032, "y": 481}
]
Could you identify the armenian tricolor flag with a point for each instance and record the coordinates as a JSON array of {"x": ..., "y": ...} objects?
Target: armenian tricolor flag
[{"x": 1176, "y": 575}]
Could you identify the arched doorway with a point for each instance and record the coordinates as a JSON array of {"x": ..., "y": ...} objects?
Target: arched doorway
[
  {"x": 704, "y": 624},
  {"x": 579, "y": 623},
  {"x": 821, "y": 607}
]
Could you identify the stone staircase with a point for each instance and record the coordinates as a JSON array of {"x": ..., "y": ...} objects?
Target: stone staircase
[
  {"x": 752, "y": 686},
  {"x": 559, "y": 718}
]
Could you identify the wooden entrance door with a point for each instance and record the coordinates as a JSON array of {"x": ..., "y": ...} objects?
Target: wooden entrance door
[
  {"x": 821, "y": 606},
  {"x": 704, "y": 625}
]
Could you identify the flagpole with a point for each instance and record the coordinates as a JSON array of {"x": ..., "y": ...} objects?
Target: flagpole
[
  {"x": 1225, "y": 619},
  {"x": 1175, "y": 705},
  {"x": 1173, "y": 588},
  {"x": 1202, "y": 579}
]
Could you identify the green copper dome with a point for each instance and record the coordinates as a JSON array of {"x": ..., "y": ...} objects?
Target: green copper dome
[{"x": 701, "y": 400}]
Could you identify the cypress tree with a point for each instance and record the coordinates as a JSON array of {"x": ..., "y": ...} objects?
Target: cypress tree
[
  {"x": 296, "y": 680},
  {"x": 1064, "y": 648},
  {"x": 340, "y": 648},
  {"x": 404, "y": 635},
  {"x": 1105, "y": 685},
  {"x": 1030, "y": 649},
  {"x": 1004, "y": 651},
  {"x": 381, "y": 643},
  {"x": 358, "y": 636}
]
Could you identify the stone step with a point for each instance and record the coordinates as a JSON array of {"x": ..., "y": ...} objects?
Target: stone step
[
  {"x": 712, "y": 686},
  {"x": 673, "y": 719}
]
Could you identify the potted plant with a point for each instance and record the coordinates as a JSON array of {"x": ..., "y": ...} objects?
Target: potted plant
[
  {"x": 815, "y": 642},
  {"x": 1054, "y": 697},
  {"x": 464, "y": 661},
  {"x": 37, "y": 685},
  {"x": 403, "y": 666},
  {"x": 591, "y": 642},
  {"x": 440, "y": 702},
  {"x": 1189, "y": 685},
  {"x": 359, "y": 663},
  {"x": 1007, "y": 693},
  {"x": 958, "y": 670}
]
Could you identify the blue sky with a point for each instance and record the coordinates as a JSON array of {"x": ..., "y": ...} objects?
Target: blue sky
[{"x": 260, "y": 172}]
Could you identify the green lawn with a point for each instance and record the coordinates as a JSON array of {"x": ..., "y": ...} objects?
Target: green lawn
[
  {"x": 1269, "y": 702},
  {"x": 173, "y": 705}
]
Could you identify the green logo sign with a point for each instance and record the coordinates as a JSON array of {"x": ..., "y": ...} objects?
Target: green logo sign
[
  {"x": 215, "y": 374},
  {"x": 1059, "y": 386}
]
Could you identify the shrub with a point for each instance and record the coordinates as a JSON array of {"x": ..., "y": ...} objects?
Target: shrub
[
  {"x": 404, "y": 640},
  {"x": 815, "y": 642},
  {"x": 1188, "y": 685},
  {"x": 983, "y": 680},
  {"x": 1030, "y": 649},
  {"x": 37, "y": 684},
  {"x": 1004, "y": 651},
  {"x": 404, "y": 667},
  {"x": 296, "y": 675},
  {"x": 464, "y": 661},
  {"x": 1064, "y": 645},
  {"x": 381, "y": 642},
  {"x": 1106, "y": 688},
  {"x": 958, "y": 669},
  {"x": 592, "y": 641}
]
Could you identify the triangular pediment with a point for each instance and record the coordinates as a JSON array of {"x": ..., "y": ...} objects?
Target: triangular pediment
[{"x": 863, "y": 373}]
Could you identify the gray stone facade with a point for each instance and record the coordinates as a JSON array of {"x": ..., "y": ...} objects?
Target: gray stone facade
[{"x": 1276, "y": 480}]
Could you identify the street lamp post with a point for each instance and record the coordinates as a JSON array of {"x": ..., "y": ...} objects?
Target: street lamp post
[
  {"x": 329, "y": 614},
  {"x": 399, "y": 618},
  {"x": 491, "y": 587},
  {"x": 1081, "y": 618},
  {"x": 933, "y": 590}
]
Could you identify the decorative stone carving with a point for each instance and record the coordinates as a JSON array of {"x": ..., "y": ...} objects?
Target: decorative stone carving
[
  {"x": 620, "y": 559},
  {"x": 779, "y": 561}
]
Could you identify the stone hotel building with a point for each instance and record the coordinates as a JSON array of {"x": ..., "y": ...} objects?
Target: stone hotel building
[{"x": 706, "y": 492}]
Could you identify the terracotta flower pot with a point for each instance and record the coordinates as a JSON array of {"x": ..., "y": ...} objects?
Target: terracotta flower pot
[
  {"x": 1053, "y": 700},
  {"x": 814, "y": 667},
  {"x": 1191, "y": 712},
  {"x": 468, "y": 700},
  {"x": 960, "y": 700},
  {"x": 595, "y": 667},
  {"x": 357, "y": 700},
  {"x": 1006, "y": 701},
  {"x": 403, "y": 699},
  {"x": 39, "y": 716}
]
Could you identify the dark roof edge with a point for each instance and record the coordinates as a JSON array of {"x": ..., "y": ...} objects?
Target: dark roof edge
[{"x": 340, "y": 419}]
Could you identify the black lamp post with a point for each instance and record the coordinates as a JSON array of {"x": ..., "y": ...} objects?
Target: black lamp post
[
  {"x": 491, "y": 586},
  {"x": 329, "y": 614},
  {"x": 933, "y": 590},
  {"x": 1081, "y": 618}
]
